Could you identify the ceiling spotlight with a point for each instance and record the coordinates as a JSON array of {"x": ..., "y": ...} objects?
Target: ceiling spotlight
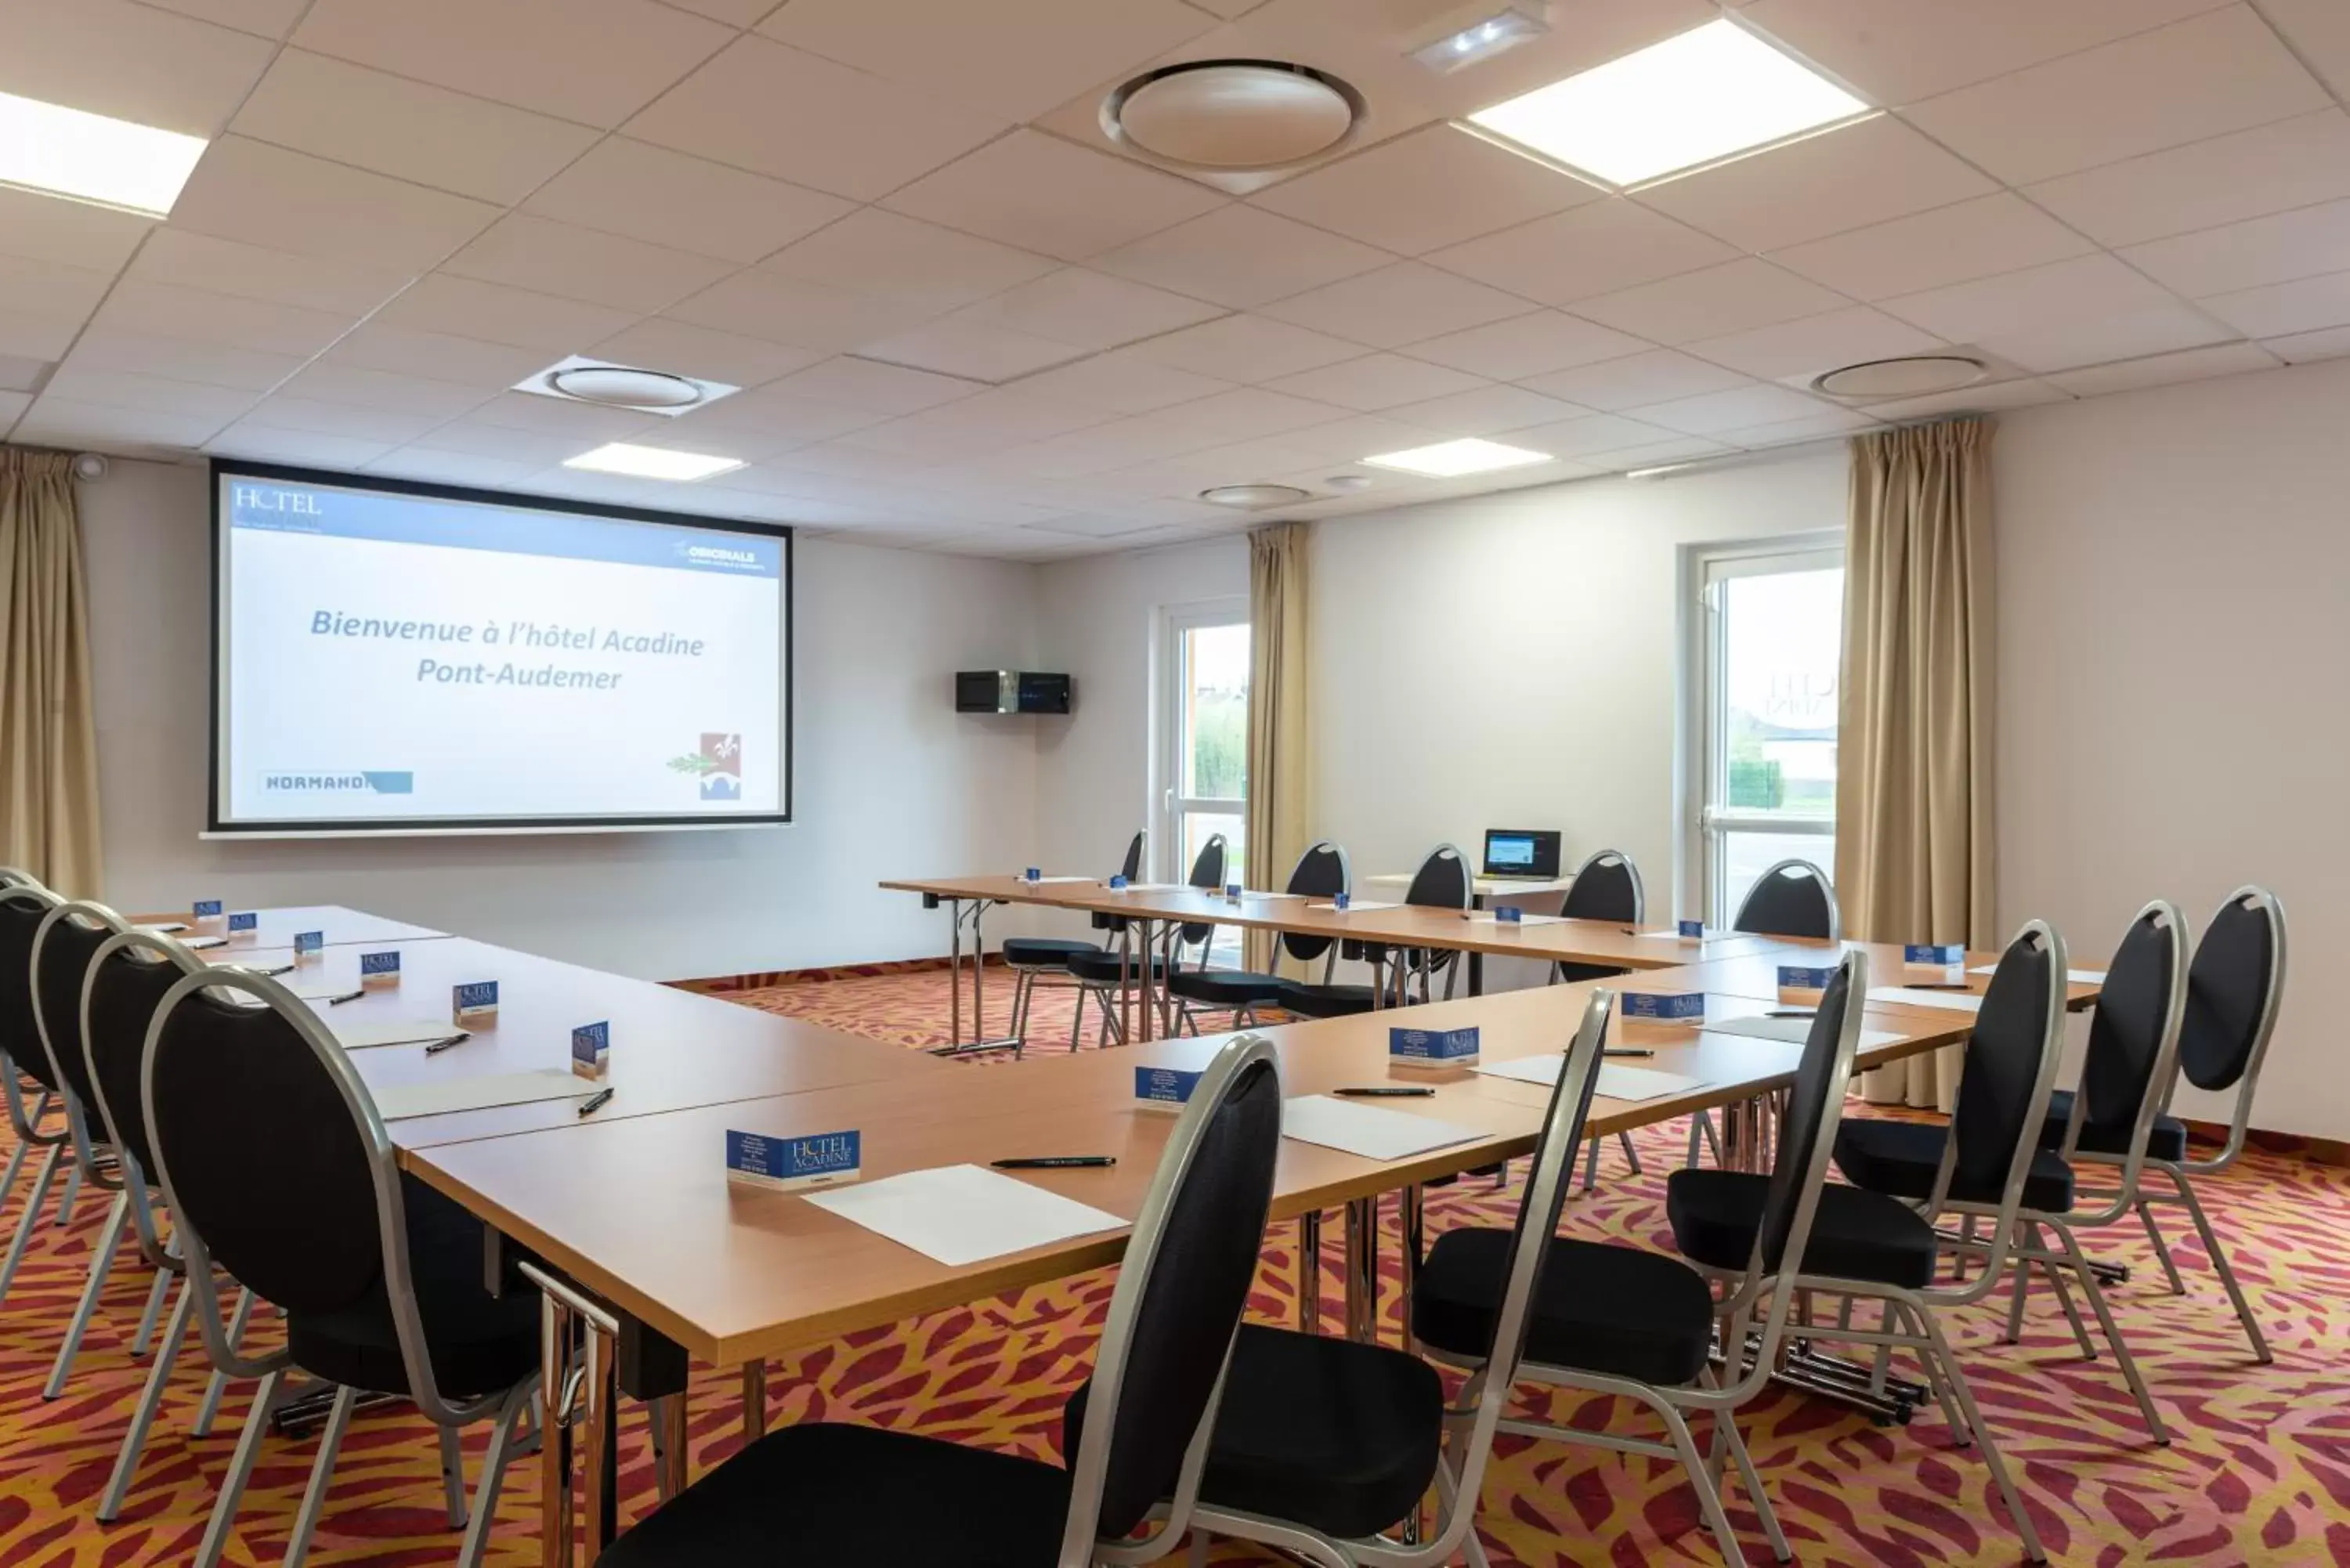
[
  {"x": 63, "y": 151},
  {"x": 580, "y": 380},
  {"x": 651, "y": 462},
  {"x": 1911, "y": 375},
  {"x": 1232, "y": 116},
  {"x": 1251, "y": 497},
  {"x": 1520, "y": 23},
  {"x": 1451, "y": 459},
  {"x": 1348, "y": 482}
]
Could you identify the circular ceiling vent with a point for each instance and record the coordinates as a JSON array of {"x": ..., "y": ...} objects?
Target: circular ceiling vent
[
  {"x": 1911, "y": 377},
  {"x": 618, "y": 388},
  {"x": 1253, "y": 495},
  {"x": 1232, "y": 116}
]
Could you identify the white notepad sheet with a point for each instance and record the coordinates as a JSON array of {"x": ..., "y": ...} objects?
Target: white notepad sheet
[
  {"x": 1041, "y": 880},
  {"x": 394, "y": 1102},
  {"x": 198, "y": 944},
  {"x": 2073, "y": 976},
  {"x": 1356, "y": 908},
  {"x": 1370, "y": 1132},
  {"x": 357, "y": 1035},
  {"x": 319, "y": 990},
  {"x": 1676, "y": 937},
  {"x": 1616, "y": 1083},
  {"x": 1487, "y": 918},
  {"x": 1793, "y": 1031},
  {"x": 1901, "y": 996},
  {"x": 961, "y": 1214}
]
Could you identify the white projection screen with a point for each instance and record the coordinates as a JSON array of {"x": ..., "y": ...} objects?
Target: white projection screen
[{"x": 399, "y": 658}]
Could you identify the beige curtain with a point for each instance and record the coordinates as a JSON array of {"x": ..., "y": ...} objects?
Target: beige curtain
[
  {"x": 48, "y": 742},
  {"x": 1914, "y": 749},
  {"x": 1279, "y": 761}
]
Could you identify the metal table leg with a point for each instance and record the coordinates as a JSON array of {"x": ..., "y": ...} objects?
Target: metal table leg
[
  {"x": 755, "y": 1401},
  {"x": 1363, "y": 1270},
  {"x": 672, "y": 1473},
  {"x": 1143, "y": 979},
  {"x": 1476, "y": 960},
  {"x": 954, "y": 973},
  {"x": 1309, "y": 1271}
]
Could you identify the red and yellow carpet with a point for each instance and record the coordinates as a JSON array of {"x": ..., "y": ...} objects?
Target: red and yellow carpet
[{"x": 2258, "y": 1473}]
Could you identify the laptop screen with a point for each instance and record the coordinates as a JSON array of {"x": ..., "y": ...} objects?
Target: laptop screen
[{"x": 1509, "y": 852}]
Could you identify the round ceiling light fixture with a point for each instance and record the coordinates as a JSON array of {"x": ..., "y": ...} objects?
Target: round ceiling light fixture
[
  {"x": 1232, "y": 116},
  {"x": 1251, "y": 497},
  {"x": 1348, "y": 482},
  {"x": 617, "y": 387},
  {"x": 1912, "y": 376}
]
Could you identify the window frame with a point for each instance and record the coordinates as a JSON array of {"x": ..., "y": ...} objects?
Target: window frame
[{"x": 1169, "y": 806}]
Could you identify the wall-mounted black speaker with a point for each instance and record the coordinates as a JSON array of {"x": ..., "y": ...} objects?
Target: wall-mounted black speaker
[{"x": 1011, "y": 692}]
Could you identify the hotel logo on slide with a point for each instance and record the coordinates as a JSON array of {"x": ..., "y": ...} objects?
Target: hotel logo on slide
[
  {"x": 375, "y": 781},
  {"x": 718, "y": 766}
]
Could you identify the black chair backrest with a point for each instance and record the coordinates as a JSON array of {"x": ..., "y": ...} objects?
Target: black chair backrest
[
  {"x": 1443, "y": 880},
  {"x": 22, "y": 910},
  {"x": 262, "y": 1156},
  {"x": 1320, "y": 873},
  {"x": 1208, "y": 874},
  {"x": 1792, "y": 899},
  {"x": 2232, "y": 988},
  {"x": 2126, "y": 1032},
  {"x": 123, "y": 991},
  {"x": 1180, "y": 1292},
  {"x": 1606, "y": 888},
  {"x": 2020, "y": 1023},
  {"x": 59, "y": 967},
  {"x": 1814, "y": 1104},
  {"x": 1131, "y": 867}
]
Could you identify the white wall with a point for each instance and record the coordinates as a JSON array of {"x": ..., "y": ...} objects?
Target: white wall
[
  {"x": 2174, "y": 583},
  {"x": 888, "y": 780}
]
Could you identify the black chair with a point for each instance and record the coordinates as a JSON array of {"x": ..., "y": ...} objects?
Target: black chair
[
  {"x": 2133, "y": 1046},
  {"x": 1607, "y": 887},
  {"x": 1104, "y": 976},
  {"x": 1793, "y": 898},
  {"x": 277, "y": 1169},
  {"x": 1444, "y": 882},
  {"x": 1321, "y": 872},
  {"x": 826, "y": 1495},
  {"x": 1031, "y": 958},
  {"x": 23, "y": 906}
]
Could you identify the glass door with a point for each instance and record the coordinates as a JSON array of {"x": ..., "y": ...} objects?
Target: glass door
[{"x": 1204, "y": 747}]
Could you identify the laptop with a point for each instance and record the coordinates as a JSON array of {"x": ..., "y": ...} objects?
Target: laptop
[{"x": 1524, "y": 854}]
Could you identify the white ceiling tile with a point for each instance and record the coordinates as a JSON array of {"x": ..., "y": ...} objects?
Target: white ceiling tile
[
  {"x": 2319, "y": 31},
  {"x": 1525, "y": 346},
  {"x": 878, "y": 252},
  {"x": 954, "y": 346},
  {"x": 141, "y": 353},
  {"x": 50, "y": 292},
  {"x": 1013, "y": 58},
  {"x": 1042, "y": 193},
  {"x": 436, "y": 467},
  {"x": 408, "y": 129},
  {"x": 2293, "y": 163},
  {"x": 1245, "y": 349},
  {"x": 1335, "y": 444},
  {"x": 1744, "y": 408},
  {"x": 1588, "y": 433},
  {"x": 282, "y": 411},
  {"x": 1596, "y": 249},
  {"x": 19, "y": 374},
  {"x": 1088, "y": 310},
  {"x": 2281, "y": 309},
  {"x": 1814, "y": 344},
  {"x": 780, "y": 111},
  {"x": 684, "y": 349},
  {"x": 1813, "y": 427},
  {"x": 667, "y": 198},
  {"x": 70, "y": 233},
  {"x": 501, "y": 443},
  {"x": 2303, "y": 348},
  {"x": 494, "y": 313},
  {"x": 112, "y": 58},
  {"x": 1654, "y": 453},
  {"x": 766, "y": 304},
  {"x": 2209, "y": 75},
  {"x": 1430, "y": 187},
  {"x": 2023, "y": 393},
  {"x": 2052, "y": 295},
  {"x": 584, "y": 424},
  {"x": 2162, "y": 370},
  {"x": 975, "y": 425},
  {"x": 548, "y": 257},
  {"x": 1898, "y": 51},
  {"x": 262, "y": 19},
  {"x": 249, "y": 190},
  {"x": 1398, "y": 305},
  {"x": 1241, "y": 257},
  {"x": 1843, "y": 179},
  {"x": 166, "y": 310},
  {"x": 1244, "y": 412},
  {"x": 1995, "y": 233},
  {"x": 2278, "y": 248},
  {"x": 1488, "y": 411},
  {"x": 12, "y": 404},
  {"x": 272, "y": 444},
  {"x": 377, "y": 345},
  {"x": 60, "y": 422},
  {"x": 1626, "y": 383},
  {"x": 155, "y": 394},
  {"x": 224, "y": 266},
  {"x": 1120, "y": 443},
  {"x": 1377, "y": 381},
  {"x": 329, "y": 381},
  {"x": 2094, "y": 340},
  {"x": 34, "y": 336},
  {"x": 594, "y": 61},
  {"x": 1731, "y": 298},
  {"x": 1123, "y": 383},
  {"x": 882, "y": 389}
]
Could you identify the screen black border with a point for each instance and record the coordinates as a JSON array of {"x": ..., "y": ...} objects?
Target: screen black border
[{"x": 410, "y": 826}]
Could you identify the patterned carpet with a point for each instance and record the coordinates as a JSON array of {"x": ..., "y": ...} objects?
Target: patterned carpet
[{"x": 2260, "y": 1472}]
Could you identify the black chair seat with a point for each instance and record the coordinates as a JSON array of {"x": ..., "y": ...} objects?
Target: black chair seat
[
  {"x": 1044, "y": 953},
  {"x": 1901, "y": 1159},
  {"x": 1227, "y": 987},
  {"x": 1324, "y": 1000},
  {"x": 1324, "y": 1431},
  {"x": 824, "y": 1495},
  {"x": 1105, "y": 968},
  {"x": 1569, "y": 973},
  {"x": 2166, "y": 1140},
  {"x": 479, "y": 1343},
  {"x": 1856, "y": 1234},
  {"x": 1596, "y": 1308}
]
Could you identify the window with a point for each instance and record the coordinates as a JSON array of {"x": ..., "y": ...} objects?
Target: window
[
  {"x": 1772, "y": 636},
  {"x": 1204, "y": 699}
]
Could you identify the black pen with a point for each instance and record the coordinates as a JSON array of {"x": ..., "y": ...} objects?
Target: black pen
[
  {"x": 595, "y": 1102},
  {"x": 1937, "y": 985},
  {"x": 1792, "y": 1012},
  {"x": 1387, "y": 1092},
  {"x": 1628, "y": 1050},
  {"x": 346, "y": 996},
  {"x": 1050, "y": 1161},
  {"x": 435, "y": 1047},
  {"x": 281, "y": 969}
]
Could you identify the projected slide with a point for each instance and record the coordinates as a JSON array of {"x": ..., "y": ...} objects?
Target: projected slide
[{"x": 411, "y": 661}]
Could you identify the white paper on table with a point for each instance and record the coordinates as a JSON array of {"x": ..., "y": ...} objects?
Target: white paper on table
[
  {"x": 960, "y": 1214},
  {"x": 1544, "y": 1069},
  {"x": 1357, "y": 906},
  {"x": 1370, "y": 1132},
  {"x": 1792, "y": 1031},
  {"x": 357, "y": 1035},
  {"x": 198, "y": 944},
  {"x": 2071, "y": 976},
  {"x": 1156, "y": 887},
  {"x": 438, "y": 1096},
  {"x": 1677, "y": 937},
  {"x": 1615, "y": 1082},
  {"x": 1902, "y": 996},
  {"x": 1276, "y": 894},
  {"x": 1487, "y": 918},
  {"x": 1043, "y": 879},
  {"x": 320, "y": 990},
  {"x": 164, "y": 928}
]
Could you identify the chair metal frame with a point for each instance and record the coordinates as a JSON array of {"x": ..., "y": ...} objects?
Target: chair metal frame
[
  {"x": 1137, "y": 968},
  {"x": 1827, "y": 890},
  {"x": 1244, "y": 1015},
  {"x": 504, "y": 1408},
  {"x": 25, "y": 1120},
  {"x": 1424, "y": 962},
  {"x": 1558, "y": 973},
  {"x": 1027, "y": 978}
]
